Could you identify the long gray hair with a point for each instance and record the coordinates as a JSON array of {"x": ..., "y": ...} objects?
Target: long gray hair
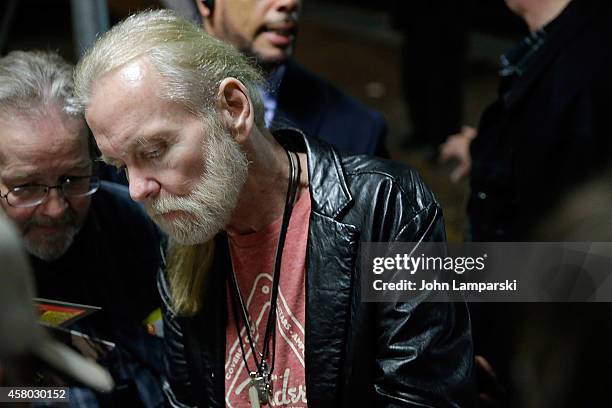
[{"x": 192, "y": 63}]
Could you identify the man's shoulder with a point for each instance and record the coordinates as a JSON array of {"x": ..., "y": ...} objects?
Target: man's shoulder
[
  {"x": 322, "y": 110},
  {"x": 382, "y": 199},
  {"x": 122, "y": 222},
  {"x": 308, "y": 83},
  {"x": 113, "y": 207},
  {"x": 115, "y": 197},
  {"x": 582, "y": 50},
  {"x": 374, "y": 178}
]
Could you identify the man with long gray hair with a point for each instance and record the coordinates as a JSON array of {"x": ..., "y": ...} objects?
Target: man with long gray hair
[
  {"x": 97, "y": 249},
  {"x": 262, "y": 298}
]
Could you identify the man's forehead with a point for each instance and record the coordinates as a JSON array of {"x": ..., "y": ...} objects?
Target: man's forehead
[
  {"x": 29, "y": 139},
  {"x": 119, "y": 92},
  {"x": 134, "y": 72},
  {"x": 127, "y": 111},
  {"x": 23, "y": 169},
  {"x": 133, "y": 76}
]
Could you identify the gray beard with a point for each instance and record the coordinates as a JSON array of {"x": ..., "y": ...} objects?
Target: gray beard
[
  {"x": 208, "y": 208},
  {"x": 52, "y": 248}
]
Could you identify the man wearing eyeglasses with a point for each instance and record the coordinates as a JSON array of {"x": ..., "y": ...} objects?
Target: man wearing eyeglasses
[
  {"x": 49, "y": 198},
  {"x": 88, "y": 242}
]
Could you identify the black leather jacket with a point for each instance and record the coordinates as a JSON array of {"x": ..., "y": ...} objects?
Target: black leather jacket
[{"x": 357, "y": 353}]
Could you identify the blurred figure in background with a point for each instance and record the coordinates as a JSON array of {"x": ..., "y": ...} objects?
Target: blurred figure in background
[
  {"x": 24, "y": 347},
  {"x": 549, "y": 128},
  {"x": 548, "y": 131},
  {"x": 433, "y": 62},
  {"x": 563, "y": 353},
  {"x": 99, "y": 250},
  {"x": 570, "y": 222},
  {"x": 561, "y": 349}
]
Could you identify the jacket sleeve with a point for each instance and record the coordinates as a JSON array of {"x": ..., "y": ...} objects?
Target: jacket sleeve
[
  {"x": 424, "y": 355},
  {"x": 177, "y": 383}
]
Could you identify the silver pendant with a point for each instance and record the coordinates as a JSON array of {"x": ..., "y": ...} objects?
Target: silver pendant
[{"x": 260, "y": 389}]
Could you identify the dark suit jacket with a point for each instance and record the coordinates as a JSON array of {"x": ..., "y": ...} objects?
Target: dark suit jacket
[
  {"x": 320, "y": 110},
  {"x": 549, "y": 130}
]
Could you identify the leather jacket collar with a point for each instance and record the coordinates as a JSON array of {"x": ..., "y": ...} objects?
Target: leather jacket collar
[{"x": 331, "y": 194}]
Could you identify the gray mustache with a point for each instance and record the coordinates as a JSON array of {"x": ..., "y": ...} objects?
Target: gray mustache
[{"x": 67, "y": 219}]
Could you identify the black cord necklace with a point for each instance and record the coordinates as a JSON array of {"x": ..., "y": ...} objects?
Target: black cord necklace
[{"x": 260, "y": 391}]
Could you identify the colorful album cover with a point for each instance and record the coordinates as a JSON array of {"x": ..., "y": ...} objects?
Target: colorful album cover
[{"x": 55, "y": 313}]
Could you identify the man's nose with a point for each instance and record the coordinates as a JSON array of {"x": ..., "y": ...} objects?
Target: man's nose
[
  {"x": 55, "y": 205},
  {"x": 142, "y": 186},
  {"x": 288, "y": 5}
]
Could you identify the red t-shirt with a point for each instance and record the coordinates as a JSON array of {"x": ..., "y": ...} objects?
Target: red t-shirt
[{"x": 253, "y": 258}]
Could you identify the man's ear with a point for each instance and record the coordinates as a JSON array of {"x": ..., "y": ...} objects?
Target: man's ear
[
  {"x": 235, "y": 108},
  {"x": 206, "y": 12}
]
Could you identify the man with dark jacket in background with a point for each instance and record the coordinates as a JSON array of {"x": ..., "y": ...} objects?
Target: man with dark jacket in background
[{"x": 549, "y": 130}]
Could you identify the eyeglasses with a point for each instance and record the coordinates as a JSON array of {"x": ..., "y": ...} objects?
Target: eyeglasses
[{"x": 33, "y": 195}]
